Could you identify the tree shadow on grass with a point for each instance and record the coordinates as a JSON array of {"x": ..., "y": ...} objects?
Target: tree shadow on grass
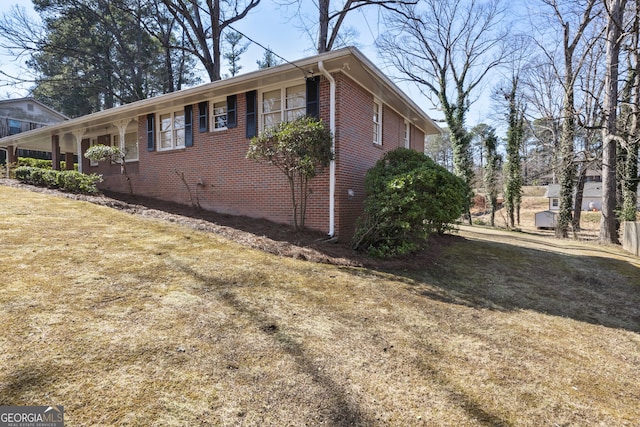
[
  {"x": 479, "y": 273},
  {"x": 23, "y": 380},
  {"x": 502, "y": 276},
  {"x": 338, "y": 406}
]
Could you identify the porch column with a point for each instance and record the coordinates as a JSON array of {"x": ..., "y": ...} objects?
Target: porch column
[
  {"x": 12, "y": 159},
  {"x": 11, "y": 155},
  {"x": 68, "y": 161},
  {"x": 55, "y": 152},
  {"x": 79, "y": 133},
  {"x": 122, "y": 129}
]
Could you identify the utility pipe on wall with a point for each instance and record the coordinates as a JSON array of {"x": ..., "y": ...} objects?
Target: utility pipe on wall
[{"x": 332, "y": 165}]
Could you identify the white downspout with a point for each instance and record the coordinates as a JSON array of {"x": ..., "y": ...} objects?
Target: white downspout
[{"x": 332, "y": 165}]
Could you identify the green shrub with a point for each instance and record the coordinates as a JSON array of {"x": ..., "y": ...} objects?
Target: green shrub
[
  {"x": 23, "y": 174},
  {"x": 76, "y": 182},
  {"x": 409, "y": 197},
  {"x": 70, "y": 181},
  {"x": 42, "y": 163},
  {"x": 34, "y": 163}
]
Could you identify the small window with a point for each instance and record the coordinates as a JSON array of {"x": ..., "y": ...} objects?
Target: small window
[
  {"x": 29, "y": 107},
  {"x": 15, "y": 127},
  {"x": 171, "y": 131},
  {"x": 377, "y": 122},
  {"x": 219, "y": 115},
  {"x": 555, "y": 203}
]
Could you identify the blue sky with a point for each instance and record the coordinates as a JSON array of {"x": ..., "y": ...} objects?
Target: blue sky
[{"x": 280, "y": 30}]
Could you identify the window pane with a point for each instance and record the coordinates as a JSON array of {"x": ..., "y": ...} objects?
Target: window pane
[
  {"x": 220, "y": 115},
  {"x": 296, "y": 97},
  {"x": 165, "y": 122},
  {"x": 294, "y": 114},
  {"x": 165, "y": 140},
  {"x": 131, "y": 146},
  {"x": 270, "y": 120},
  {"x": 271, "y": 101},
  {"x": 179, "y": 137},
  {"x": 178, "y": 121}
]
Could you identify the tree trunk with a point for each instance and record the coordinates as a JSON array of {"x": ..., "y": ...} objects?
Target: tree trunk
[
  {"x": 323, "y": 22},
  {"x": 608, "y": 226},
  {"x": 577, "y": 203}
]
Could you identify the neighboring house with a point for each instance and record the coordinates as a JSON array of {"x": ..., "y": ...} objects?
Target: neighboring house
[
  {"x": 202, "y": 134},
  {"x": 23, "y": 114},
  {"x": 591, "y": 196}
]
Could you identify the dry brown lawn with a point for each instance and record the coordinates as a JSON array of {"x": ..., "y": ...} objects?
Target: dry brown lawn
[{"x": 131, "y": 320}]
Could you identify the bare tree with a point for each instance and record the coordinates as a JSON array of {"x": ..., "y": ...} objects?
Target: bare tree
[
  {"x": 569, "y": 22},
  {"x": 447, "y": 49},
  {"x": 542, "y": 93},
  {"x": 610, "y": 137},
  {"x": 331, "y": 17},
  {"x": 628, "y": 122},
  {"x": 204, "y": 25}
]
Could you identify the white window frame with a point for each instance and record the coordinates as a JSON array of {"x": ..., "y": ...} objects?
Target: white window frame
[
  {"x": 377, "y": 122},
  {"x": 285, "y": 109},
  {"x": 172, "y": 131},
  {"x": 407, "y": 134},
  {"x": 212, "y": 104}
]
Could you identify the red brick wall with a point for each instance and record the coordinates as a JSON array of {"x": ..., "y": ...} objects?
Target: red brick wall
[
  {"x": 223, "y": 180},
  {"x": 356, "y": 151}
]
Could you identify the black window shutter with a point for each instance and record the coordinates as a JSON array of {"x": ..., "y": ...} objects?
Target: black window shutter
[
  {"x": 188, "y": 125},
  {"x": 151, "y": 135},
  {"x": 203, "y": 116},
  {"x": 313, "y": 97},
  {"x": 232, "y": 103},
  {"x": 252, "y": 122}
]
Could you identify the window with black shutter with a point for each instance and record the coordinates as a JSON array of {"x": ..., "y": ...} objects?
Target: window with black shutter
[
  {"x": 151, "y": 136},
  {"x": 232, "y": 103},
  {"x": 203, "y": 116},
  {"x": 313, "y": 97},
  {"x": 252, "y": 122},
  {"x": 188, "y": 125}
]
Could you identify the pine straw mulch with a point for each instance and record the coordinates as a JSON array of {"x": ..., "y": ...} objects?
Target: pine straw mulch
[{"x": 261, "y": 234}]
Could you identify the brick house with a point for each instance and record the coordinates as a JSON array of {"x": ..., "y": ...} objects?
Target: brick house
[{"x": 202, "y": 134}]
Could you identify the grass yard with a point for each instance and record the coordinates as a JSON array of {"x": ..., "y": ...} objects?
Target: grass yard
[{"x": 127, "y": 320}]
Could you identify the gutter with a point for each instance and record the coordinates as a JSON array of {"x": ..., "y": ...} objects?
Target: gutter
[{"x": 332, "y": 164}]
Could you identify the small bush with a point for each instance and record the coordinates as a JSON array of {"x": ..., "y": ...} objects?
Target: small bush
[
  {"x": 70, "y": 181},
  {"x": 409, "y": 197}
]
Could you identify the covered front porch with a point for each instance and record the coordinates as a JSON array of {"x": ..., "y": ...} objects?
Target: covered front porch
[{"x": 66, "y": 142}]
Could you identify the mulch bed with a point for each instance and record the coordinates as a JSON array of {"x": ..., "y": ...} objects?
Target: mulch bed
[{"x": 255, "y": 233}]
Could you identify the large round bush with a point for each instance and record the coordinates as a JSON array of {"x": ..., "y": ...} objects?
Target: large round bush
[{"x": 409, "y": 197}]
